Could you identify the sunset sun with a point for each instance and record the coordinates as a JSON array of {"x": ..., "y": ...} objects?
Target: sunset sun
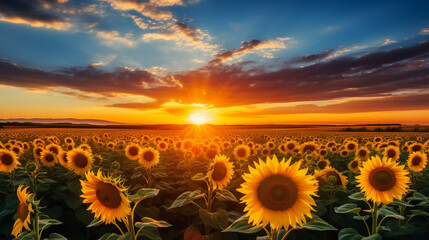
[{"x": 198, "y": 119}]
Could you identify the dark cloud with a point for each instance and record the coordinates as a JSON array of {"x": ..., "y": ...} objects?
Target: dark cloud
[
  {"x": 374, "y": 74},
  {"x": 224, "y": 56},
  {"x": 136, "y": 106},
  {"x": 313, "y": 57},
  {"x": 190, "y": 32},
  {"x": 389, "y": 103},
  {"x": 29, "y": 10}
]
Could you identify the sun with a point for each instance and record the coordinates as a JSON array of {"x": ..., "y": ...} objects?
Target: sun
[{"x": 198, "y": 119}]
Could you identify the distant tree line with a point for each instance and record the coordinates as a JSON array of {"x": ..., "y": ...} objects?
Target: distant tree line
[{"x": 386, "y": 129}]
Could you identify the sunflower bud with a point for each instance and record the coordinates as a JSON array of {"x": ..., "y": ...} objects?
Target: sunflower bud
[
  {"x": 332, "y": 179},
  {"x": 31, "y": 167},
  {"x": 115, "y": 165}
]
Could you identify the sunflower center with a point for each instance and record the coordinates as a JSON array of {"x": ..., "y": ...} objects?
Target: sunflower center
[
  {"x": 351, "y": 146},
  {"x": 65, "y": 159},
  {"x": 53, "y": 150},
  {"x": 290, "y": 146},
  {"x": 391, "y": 153},
  {"x": 211, "y": 154},
  {"x": 322, "y": 164},
  {"x": 38, "y": 151},
  {"x": 416, "y": 160},
  {"x": 382, "y": 179},
  {"x": 6, "y": 159},
  {"x": 277, "y": 193},
  {"x": 49, "y": 158},
  {"x": 22, "y": 211},
  {"x": 81, "y": 160},
  {"x": 148, "y": 156},
  {"x": 133, "y": 151},
  {"x": 416, "y": 148},
  {"x": 219, "y": 171},
  {"x": 362, "y": 153},
  {"x": 108, "y": 195},
  {"x": 16, "y": 150},
  {"x": 334, "y": 174},
  {"x": 241, "y": 152},
  {"x": 354, "y": 164}
]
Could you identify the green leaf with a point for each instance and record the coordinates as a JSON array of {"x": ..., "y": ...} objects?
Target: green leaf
[
  {"x": 56, "y": 236},
  {"x": 402, "y": 203},
  {"x": 186, "y": 198},
  {"x": 419, "y": 212},
  {"x": 352, "y": 234},
  {"x": 143, "y": 194},
  {"x": 218, "y": 219},
  {"x": 365, "y": 217},
  {"x": 317, "y": 224},
  {"x": 27, "y": 236},
  {"x": 390, "y": 212},
  {"x": 73, "y": 201},
  {"x": 48, "y": 222},
  {"x": 225, "y": 195},
  {"x": 151, "y": 233},
  {"x": 348, "y": 208},
  {"x": 114, "y": 236},
  {"x": 242, "y": 225},
  {"x": 198, "y": 177},
  {"x": 359, "y": 196},
  {"x": 95, "y": 222},
  {"x": 149, "y": 222}
]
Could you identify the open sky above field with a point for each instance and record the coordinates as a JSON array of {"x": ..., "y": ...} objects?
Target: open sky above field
[{"x": 216, "y": 61}]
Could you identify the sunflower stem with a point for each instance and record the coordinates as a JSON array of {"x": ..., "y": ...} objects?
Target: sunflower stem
[
  {"x": 274, "y": 233},
  {"x": 374, "y": 218},
  {"x": 36, "y": 224},
  {"x": 131, "y": 227},
  {"x": 209, "y": 205},
  {"x": 287, "y": 233}
]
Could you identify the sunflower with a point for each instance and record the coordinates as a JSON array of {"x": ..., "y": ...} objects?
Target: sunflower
[
  {"x": 53, "y": 148},
  {"x": 221, "y": 171},
  {"x": 308, "y": 146},
  {"x": 132, "y": 151},
  {"x": 417, "y": 161},
  {"x": 17, "y": 150},
  {"x": 415, "y": 147},
  {"x": 392, "y": 153},
  {"x": 79, "y": 161},
  {"x": 187, "y": 144},
  {"x": 344, "y": 153},
  {"x": 62, "y": 157},
  {"x": 362, "y": 153},
  {"x": 354, "y": 165},
  {"x": 241, "y": 152},
  {"x": 48, "y": 158},
  {"x": 351, "y": 146},
  {"x": 382, "y": 180},
  {"x": 331, "y": 175},
  {"x": 162, "y": 146},
  {"x": 106, "y": 197},
  {"x": 69, "y": 141},
  {"x": 323, "y": 163},
  {"x": 278, "y": 193},
  {"x": 85, "y": 147},
  {"x": 8, "y": 161},
  {"x": 23, "y": 212},
  {"x": 290, "y": 146},
  {"x": 148, "y": 157}
]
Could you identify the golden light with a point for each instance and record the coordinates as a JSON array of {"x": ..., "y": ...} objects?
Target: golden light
[{"x": 198, "y": 119}]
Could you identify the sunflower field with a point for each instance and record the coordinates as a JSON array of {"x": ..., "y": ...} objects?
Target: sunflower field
[{"x": 231, "y": 184}]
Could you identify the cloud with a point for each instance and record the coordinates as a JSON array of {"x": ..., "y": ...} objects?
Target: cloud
[
  {"x": 103, "y": 60},
  {"x": 389, "y": 103},
  {"x": 183, "y": 34},
  {"x": 147, "y": 9},
  {"x": 136, "y": 106},
  {"x": 313, "y": 57},
  {"x": 113, "y": 38},
  {"x": 264, "y": 47},
  {"x": 388, "y": 41},
  {"x": 139, "y": 22},
  {"x": 424, "y": 31},
  {"x": 377, "y": 74},
  {"x": 34, "y": 13}
]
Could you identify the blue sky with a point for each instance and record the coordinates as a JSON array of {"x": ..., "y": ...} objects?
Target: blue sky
[{"x": 167, "y": 39}]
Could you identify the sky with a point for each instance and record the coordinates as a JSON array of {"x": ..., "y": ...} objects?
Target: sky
[{"x": 216, "y": 61}]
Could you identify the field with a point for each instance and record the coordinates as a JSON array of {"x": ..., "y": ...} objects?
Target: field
[{"x": 196, "y": 184}]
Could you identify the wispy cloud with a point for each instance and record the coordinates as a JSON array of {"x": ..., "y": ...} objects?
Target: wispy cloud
[
  {"x": 112, "y": 38},
  {"x": 388, "y": 41}
]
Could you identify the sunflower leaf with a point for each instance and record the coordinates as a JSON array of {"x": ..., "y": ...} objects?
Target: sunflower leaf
[
  {"x": 359, "y": 196},
  {"x": 95, "y": 222},
  {"x": 218, "y": 219},
  {"x": 390, "y": 212},
  {"x": 56, "y": 236},
  {"x": 317, "y": 224},
  {"x": 186, "y": 198},
  {"x": 402, "y": 203},
  {"x": 352, "y": 234},
  {"x": 226, "y": 195},
  {"x": 27, "y": 236},
  {"x": 143, "y": 194},
  {"x": 151, "y": 233},
  {"x": 348, "y": 208},
  {"x": 198, "y": 177},
  {"x": 241, "y": 225},
  {"x": 114, "y": 236},
  {"x": 149, "y": 222}
]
